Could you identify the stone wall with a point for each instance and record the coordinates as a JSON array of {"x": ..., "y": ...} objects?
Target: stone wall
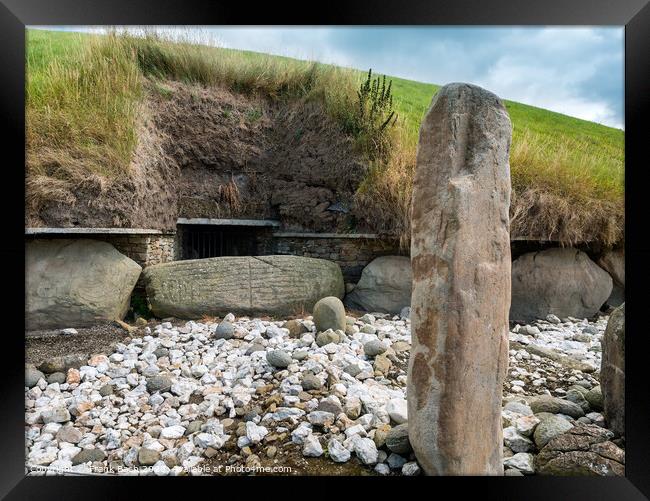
[
  {"x": 143, "y": 249},
  {"x": 351, "y": 252}
]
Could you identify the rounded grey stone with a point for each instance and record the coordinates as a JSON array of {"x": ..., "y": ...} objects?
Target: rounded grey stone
[
  {"x": 32, "y": 376},
  {"x": 55, "y": 364},
  {"x": 161, "y": 351},
  {"x": 97, "y": 279},
  {"x": 577, "y": 397},
  {"x": 193, "y": 427},
  {"x": 549, "y": 428},
  {"x": 69, "y": 434},
  {"x": 311, "y": 382},
  {"x": 87, "y": 455},
  {"x": 278, "y": 358},
  {"x": 56, "y": 377},
  {"x": 554, "y": 405},
  {"x": 300, "y": 354},
  {"x": 225, "y": 330},
  {"x": 255, "y": 347},
  {"x": 329, "y": 313},
  {"x": 595, "y": 398},
  {"x": 374, "y": 348},
  {"x": 327, "y": 337},
  {"x": 148, "y": 457},
  {"x": 159, "y": 383},
  {"x": 397, "y": 439},
  {"x": 106, "y": 390},
  {"x": 352, "y": 369}
]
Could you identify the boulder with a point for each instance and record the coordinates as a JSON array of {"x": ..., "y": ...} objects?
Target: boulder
[
  {"x": 613, "y": 262},
  {"x": 32, "y": 376},
  {"x": 612, "y": 372},
  {"x": 582, "y": 450},
  {"x": 76, "y": 283},
  {"x": 562, "y": 282},
  {"x": 384, "y": 286},
  {"x": 555, "y": 405},
  {"x": 550, "y": 427},
  {"x": 246, "y": 285},
  {"x": 460, "y": 257},
  {"x": 329, "y": 313},
  {"x": 397, "y": 439}
]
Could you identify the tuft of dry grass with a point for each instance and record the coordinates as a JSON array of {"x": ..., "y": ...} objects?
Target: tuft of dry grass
[
  {"x": 229, "y": 194},
  {"x": 384, "y": 196},
  {"x": 81, "y": 111}
]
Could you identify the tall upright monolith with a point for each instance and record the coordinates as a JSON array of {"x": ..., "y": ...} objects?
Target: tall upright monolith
[{"x": 460, "y": 256}]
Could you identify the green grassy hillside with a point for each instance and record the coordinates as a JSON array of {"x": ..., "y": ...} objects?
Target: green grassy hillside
[{"x": 84, "y": 92}]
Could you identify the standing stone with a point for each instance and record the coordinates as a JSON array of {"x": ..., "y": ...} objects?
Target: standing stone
[
  {"x": 460, "y": 256},
  {"x": 612, "y": 372}
]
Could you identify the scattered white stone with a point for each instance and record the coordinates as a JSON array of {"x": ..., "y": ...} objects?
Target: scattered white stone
[
  {"x": 312, "y": 447},
  {"x": 366, "y": 450},
  {"x": 382, "y": 469},
  {"x": 172, "y": 432},
  {"x": 255, "y": 433},
  {"x": 227, "y": 376},
  {"x": 410, "y": 469},
  {"x": 160, "y": 469},
  {"x": 522, "y": 461},
  {"x": 515, "y": 441},
  {"x": 397, "y": 410},
  {"x": 337, "y": 451}
]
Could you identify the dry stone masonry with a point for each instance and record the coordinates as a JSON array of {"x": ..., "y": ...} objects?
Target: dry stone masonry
[
  {"x": 460, "y": 254},
  {"x": 350, "y": 252}
]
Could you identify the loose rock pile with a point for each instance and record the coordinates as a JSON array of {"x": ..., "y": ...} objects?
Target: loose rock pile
[
  {"x": 177, "y": 399},
  {"x": 552, "y": 417}
]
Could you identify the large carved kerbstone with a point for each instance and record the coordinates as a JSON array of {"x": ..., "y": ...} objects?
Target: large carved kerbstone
[
  {"x": 247, "y": 285},
  {"x": 460, "y": 255},
  {"x": 76, "y": 283},
  {"x": 612, "y": 372}
]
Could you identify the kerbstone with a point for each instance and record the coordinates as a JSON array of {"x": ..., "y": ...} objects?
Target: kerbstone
[{"x": 246, "y": 285}]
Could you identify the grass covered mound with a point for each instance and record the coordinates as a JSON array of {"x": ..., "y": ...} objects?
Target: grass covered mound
[{"x": 85, "y": 98}]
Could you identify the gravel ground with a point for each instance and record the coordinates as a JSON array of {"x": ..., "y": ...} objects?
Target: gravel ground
[{"x": 253, "y": 396}]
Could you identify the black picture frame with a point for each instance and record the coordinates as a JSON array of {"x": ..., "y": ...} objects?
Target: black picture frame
[{"x": 634, "y": 14}]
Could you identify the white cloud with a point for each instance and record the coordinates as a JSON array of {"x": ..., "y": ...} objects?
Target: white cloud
[{"x": 573, "y": 70}]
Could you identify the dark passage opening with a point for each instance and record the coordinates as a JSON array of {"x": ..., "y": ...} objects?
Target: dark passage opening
[{"x": 202, "y": 241}]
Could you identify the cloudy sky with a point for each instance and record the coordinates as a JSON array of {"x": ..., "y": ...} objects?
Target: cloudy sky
[{"x": 576, "y": 71}]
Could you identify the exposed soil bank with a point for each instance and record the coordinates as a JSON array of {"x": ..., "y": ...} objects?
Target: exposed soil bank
[{"x": 208, "y": 152}]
